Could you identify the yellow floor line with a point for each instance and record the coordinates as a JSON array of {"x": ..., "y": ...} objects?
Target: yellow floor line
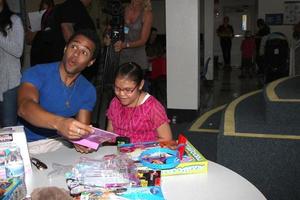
[
  {"x": 263, "y": 135},
  {"x": 271, "y": 94},
  {"x": 229, "y": 120},
  {"x": 229, "y": 123},
  {"x": 203, "y": 118}
]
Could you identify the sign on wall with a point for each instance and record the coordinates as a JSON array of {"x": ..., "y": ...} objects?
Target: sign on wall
[
  {"x": 291, "y": 12},
  {"x": 274, "y": 19}
]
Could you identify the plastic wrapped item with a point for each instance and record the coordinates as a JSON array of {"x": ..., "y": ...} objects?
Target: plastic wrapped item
[
  {"x": 133, "y": 193},
  {"x": 112, "y": 171},
  {"x": 11, "y": 162},
  {"x": 59, "y": 169}
]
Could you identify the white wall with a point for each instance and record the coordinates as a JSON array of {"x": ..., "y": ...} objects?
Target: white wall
[
  {"x": 209, "y": 38},
  {"x": 264, "y": 7},
  {"x": 182, "y": 30}
]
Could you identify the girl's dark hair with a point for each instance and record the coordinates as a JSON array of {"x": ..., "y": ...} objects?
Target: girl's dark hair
[
  {"x": 50, "y": 3},
  {"x": 130, "y": 71},
  {"x": 5, "y": 21}
]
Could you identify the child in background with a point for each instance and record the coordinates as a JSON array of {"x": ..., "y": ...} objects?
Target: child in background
[
  {"x": 134, "y": 113},
  {"x": 248, "y": 50}
]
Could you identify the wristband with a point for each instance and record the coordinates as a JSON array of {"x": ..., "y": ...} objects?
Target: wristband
[{"x": 167, "y": 158}]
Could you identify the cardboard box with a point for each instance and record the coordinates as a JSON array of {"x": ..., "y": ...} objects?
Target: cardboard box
[
  {"x": 197, "y": 163},
  {"x": 15, "y": 136},
  {"x": 193, "y": 161}
]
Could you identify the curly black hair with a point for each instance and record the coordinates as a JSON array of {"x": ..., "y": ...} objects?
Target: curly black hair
[
  {"x": 90, "y": 34},
  {"x": 5, "y": 21}
]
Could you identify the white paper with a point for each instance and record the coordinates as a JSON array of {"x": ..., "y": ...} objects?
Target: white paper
[{"x": 35, "y": 19}]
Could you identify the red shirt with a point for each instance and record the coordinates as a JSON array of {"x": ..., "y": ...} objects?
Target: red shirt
[
  {"x": 248, "y": 48},
  {"x": 159, "y": 67}
]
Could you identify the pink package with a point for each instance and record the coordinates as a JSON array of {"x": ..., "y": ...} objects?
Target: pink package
[{"x": 98, "y": 137}]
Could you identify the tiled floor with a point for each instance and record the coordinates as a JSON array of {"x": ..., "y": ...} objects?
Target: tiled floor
[{"x": 226, "y": 86}]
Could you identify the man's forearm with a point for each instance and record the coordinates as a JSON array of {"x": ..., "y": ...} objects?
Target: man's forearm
[{"x": 33, "y": 113}]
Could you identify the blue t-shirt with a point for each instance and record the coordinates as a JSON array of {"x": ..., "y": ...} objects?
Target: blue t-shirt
[{"x": 55, "y": 97}]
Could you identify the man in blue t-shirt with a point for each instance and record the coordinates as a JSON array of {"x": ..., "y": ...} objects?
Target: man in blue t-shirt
[{"x": 54, "y": 99}]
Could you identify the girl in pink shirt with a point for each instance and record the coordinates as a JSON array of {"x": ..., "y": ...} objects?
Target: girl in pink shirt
[{"x": 134, "y": 113}]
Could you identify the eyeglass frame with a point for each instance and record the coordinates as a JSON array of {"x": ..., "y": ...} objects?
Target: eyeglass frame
[{"x": 126, "y": 91}]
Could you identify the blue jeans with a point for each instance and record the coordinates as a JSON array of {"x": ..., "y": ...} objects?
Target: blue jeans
[{"x": 8, "y": 108}]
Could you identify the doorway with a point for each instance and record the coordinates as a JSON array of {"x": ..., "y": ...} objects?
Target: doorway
[{"x": 242, "y": 18}]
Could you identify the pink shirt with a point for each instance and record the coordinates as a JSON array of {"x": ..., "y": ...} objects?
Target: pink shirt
[{"x": 138, "y": 123}]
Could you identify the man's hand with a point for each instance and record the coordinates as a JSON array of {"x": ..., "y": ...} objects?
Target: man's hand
[
  {"x": 83, "y": 149},
  {"x": 73, "y": 129}
]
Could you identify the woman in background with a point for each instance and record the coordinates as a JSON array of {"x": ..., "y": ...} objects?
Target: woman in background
[
  {"x": 11, "y": 49},
  {"x": 138, "y": 22},
  {"x": 134, "y": 113}
]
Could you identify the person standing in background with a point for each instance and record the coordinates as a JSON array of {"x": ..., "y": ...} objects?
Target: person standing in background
[
  {"x": 153, "y": 46},
  {"x": 226, "y": 33},
  {"x": 41, "y": 41},
  {"x": 263, "y": 30},
  {"x": 11, "y": 49},
  {"x": 138, "y": 22},
  {"x": 72, "y": 16},
  {"x": 248, "y": 50}
]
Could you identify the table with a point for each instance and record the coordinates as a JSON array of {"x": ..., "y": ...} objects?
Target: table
[{"x": 218, "y": 183}]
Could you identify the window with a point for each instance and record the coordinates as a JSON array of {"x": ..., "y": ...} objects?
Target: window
[{"x": 244, "y": 22}]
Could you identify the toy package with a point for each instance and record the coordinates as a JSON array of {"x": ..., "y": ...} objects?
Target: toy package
[
  {"x": 14, "y": 138},
  {"x": 113, "y": 177},
  {"x": 190, "y": 160},
  {"x": 12, "y": 185},
  {"x": 14, "y": 163},
  {"x": 148, "y": 178},
  {"x": 110, "y": 172},
  {"x": 132, "y": 193},
  {"x": 96, "y": 139},
  {"x": 12, "y": 189}
]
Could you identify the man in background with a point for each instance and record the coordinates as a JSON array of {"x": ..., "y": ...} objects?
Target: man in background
[
  {"x": 263, "y": 30},
  {"x": 225, "y": 33}
]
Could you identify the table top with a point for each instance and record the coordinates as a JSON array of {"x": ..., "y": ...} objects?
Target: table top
[{"x": 219, "y": 183}]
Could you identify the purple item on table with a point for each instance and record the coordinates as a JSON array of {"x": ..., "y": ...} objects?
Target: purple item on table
[{"x": 98, "y": 137}]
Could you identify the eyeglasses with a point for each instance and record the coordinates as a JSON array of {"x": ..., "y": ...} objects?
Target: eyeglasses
[{"x": 126, "y": 91}]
